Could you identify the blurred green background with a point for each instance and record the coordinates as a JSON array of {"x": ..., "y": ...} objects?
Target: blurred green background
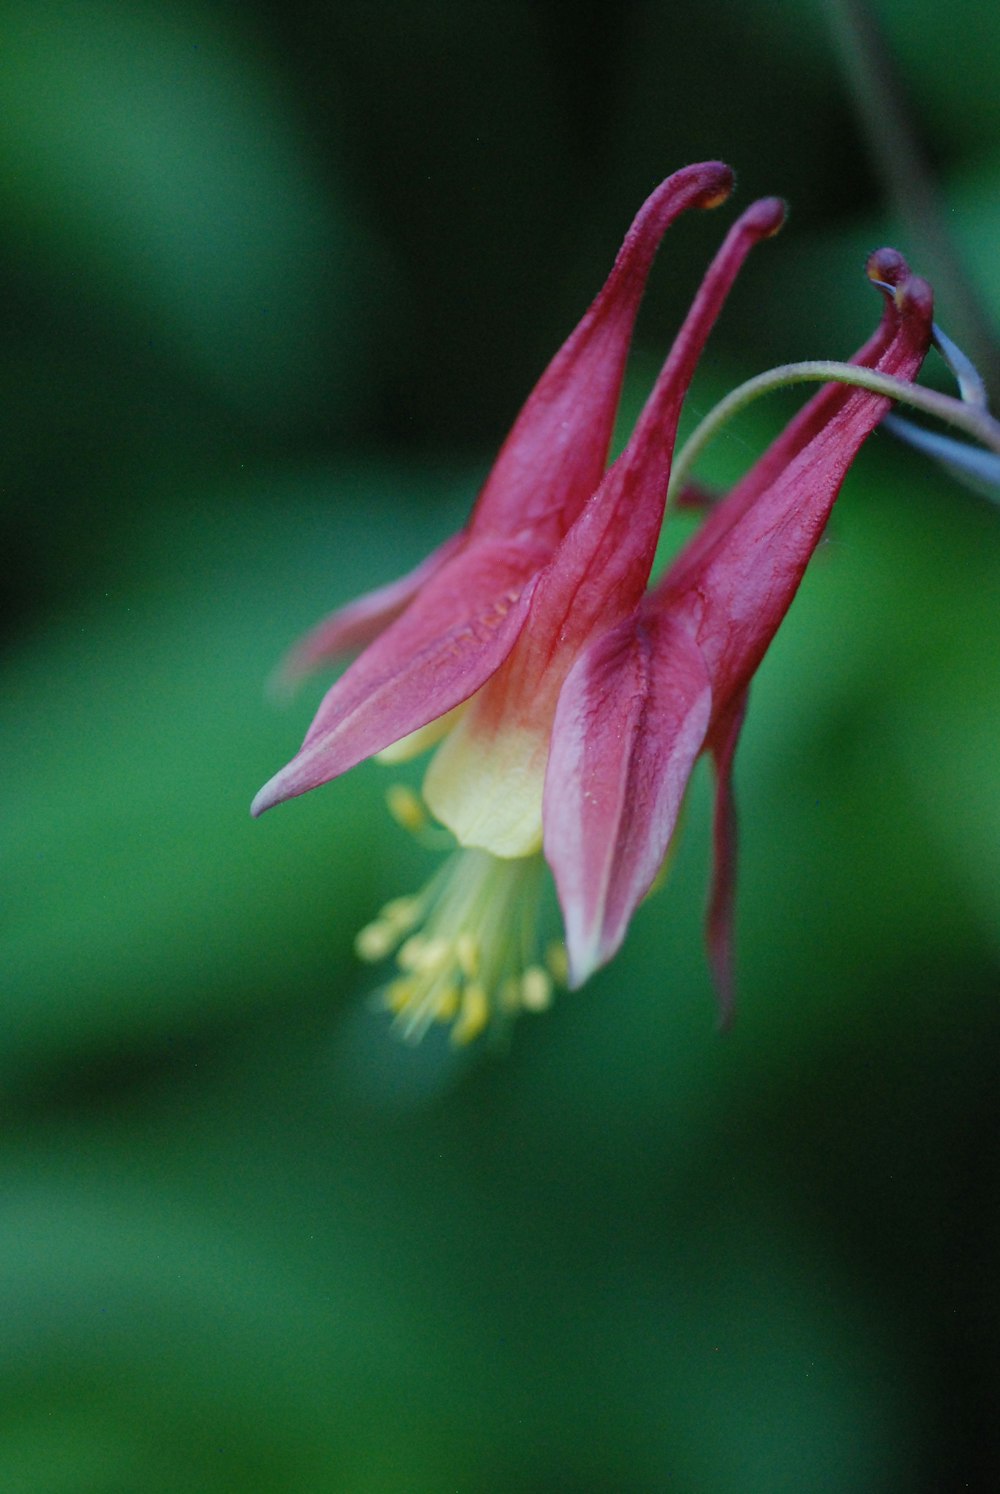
[{"x": 275, "y": 279}]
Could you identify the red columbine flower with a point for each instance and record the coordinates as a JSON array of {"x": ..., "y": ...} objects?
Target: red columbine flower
[
  {"x": 644, "y": 699},
  {"x": 554, "y": 555}
]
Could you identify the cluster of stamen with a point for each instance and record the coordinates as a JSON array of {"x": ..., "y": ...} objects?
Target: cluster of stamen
[{"x": 467, "y": 947}]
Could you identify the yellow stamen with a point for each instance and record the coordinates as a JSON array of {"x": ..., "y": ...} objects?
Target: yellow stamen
[
  {"x": 467, "y": 948},
  {"x": 375, "y": 941},
  {"x": 400, "y": 995},
  {"x": 402, "y": 912},
  {"x": 536, "y": 989},
  {"x": 447, "y": 1004},
  {"x": 474, "y": 1015},
  {"x": 406, "y": 808},
  {"x": 423, "y": 955}
]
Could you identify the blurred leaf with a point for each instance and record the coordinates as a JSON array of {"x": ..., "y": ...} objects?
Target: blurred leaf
[
  {"x": 149, "y": 157},
  {"x": 138, "y": 893}
]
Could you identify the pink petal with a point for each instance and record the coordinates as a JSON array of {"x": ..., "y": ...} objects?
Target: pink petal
[
  {"x": 556, "y": 452},
  {"x": 451, "y": 638},
  {"x": 355, "y": 625},
  {"x": 722, "y": 898},
  {"x": 630, "y": 722}
]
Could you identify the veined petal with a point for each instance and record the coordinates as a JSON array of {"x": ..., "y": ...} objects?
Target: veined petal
[
  {"x": 355, "y": 625},
  {"x": 486, "y": 779},
  {"x": 451, "y": 638},
  {"x": 722, "y": 897},
  {"x": 630, "y": 723},
  {"x": 556, "y": 452}
]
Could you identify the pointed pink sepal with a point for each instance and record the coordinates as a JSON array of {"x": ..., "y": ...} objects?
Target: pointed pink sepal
[
  {"x": 630, "y": 723},
  {"x": 452, "y": 637},
  {"x": 556, "y": 452},
  {"x": 357, "y": 624}
]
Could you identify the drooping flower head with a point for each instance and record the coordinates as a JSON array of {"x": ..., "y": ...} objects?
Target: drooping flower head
[{"x": 518, "y": 643}]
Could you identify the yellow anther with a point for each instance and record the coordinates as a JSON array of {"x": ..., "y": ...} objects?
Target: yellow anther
[
  {"x": 424, "y": 955},
  {"x": 402, "y": 912},
  {"x": 465, "y": 948},
  {"x": 446, "y": 1003},
  {"x": 406, "y": 808},
  {"x": 375, "y": 941},
  {"x": 439, "y": 954},
  {"x": 536, "y": 989},
  {"x": 411, "y": 953},
  {"x": 400, "y": 994},
  {"x": 473, "y": 1016}
]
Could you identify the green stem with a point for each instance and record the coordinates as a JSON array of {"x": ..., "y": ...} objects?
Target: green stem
[{"x": 974, "y": 421}]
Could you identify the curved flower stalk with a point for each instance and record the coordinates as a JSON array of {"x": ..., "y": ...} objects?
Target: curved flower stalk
[{"x": 669, "y": 682}]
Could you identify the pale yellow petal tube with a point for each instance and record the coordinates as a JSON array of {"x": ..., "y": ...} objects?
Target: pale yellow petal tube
[{"x": 486, "y": 786}]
